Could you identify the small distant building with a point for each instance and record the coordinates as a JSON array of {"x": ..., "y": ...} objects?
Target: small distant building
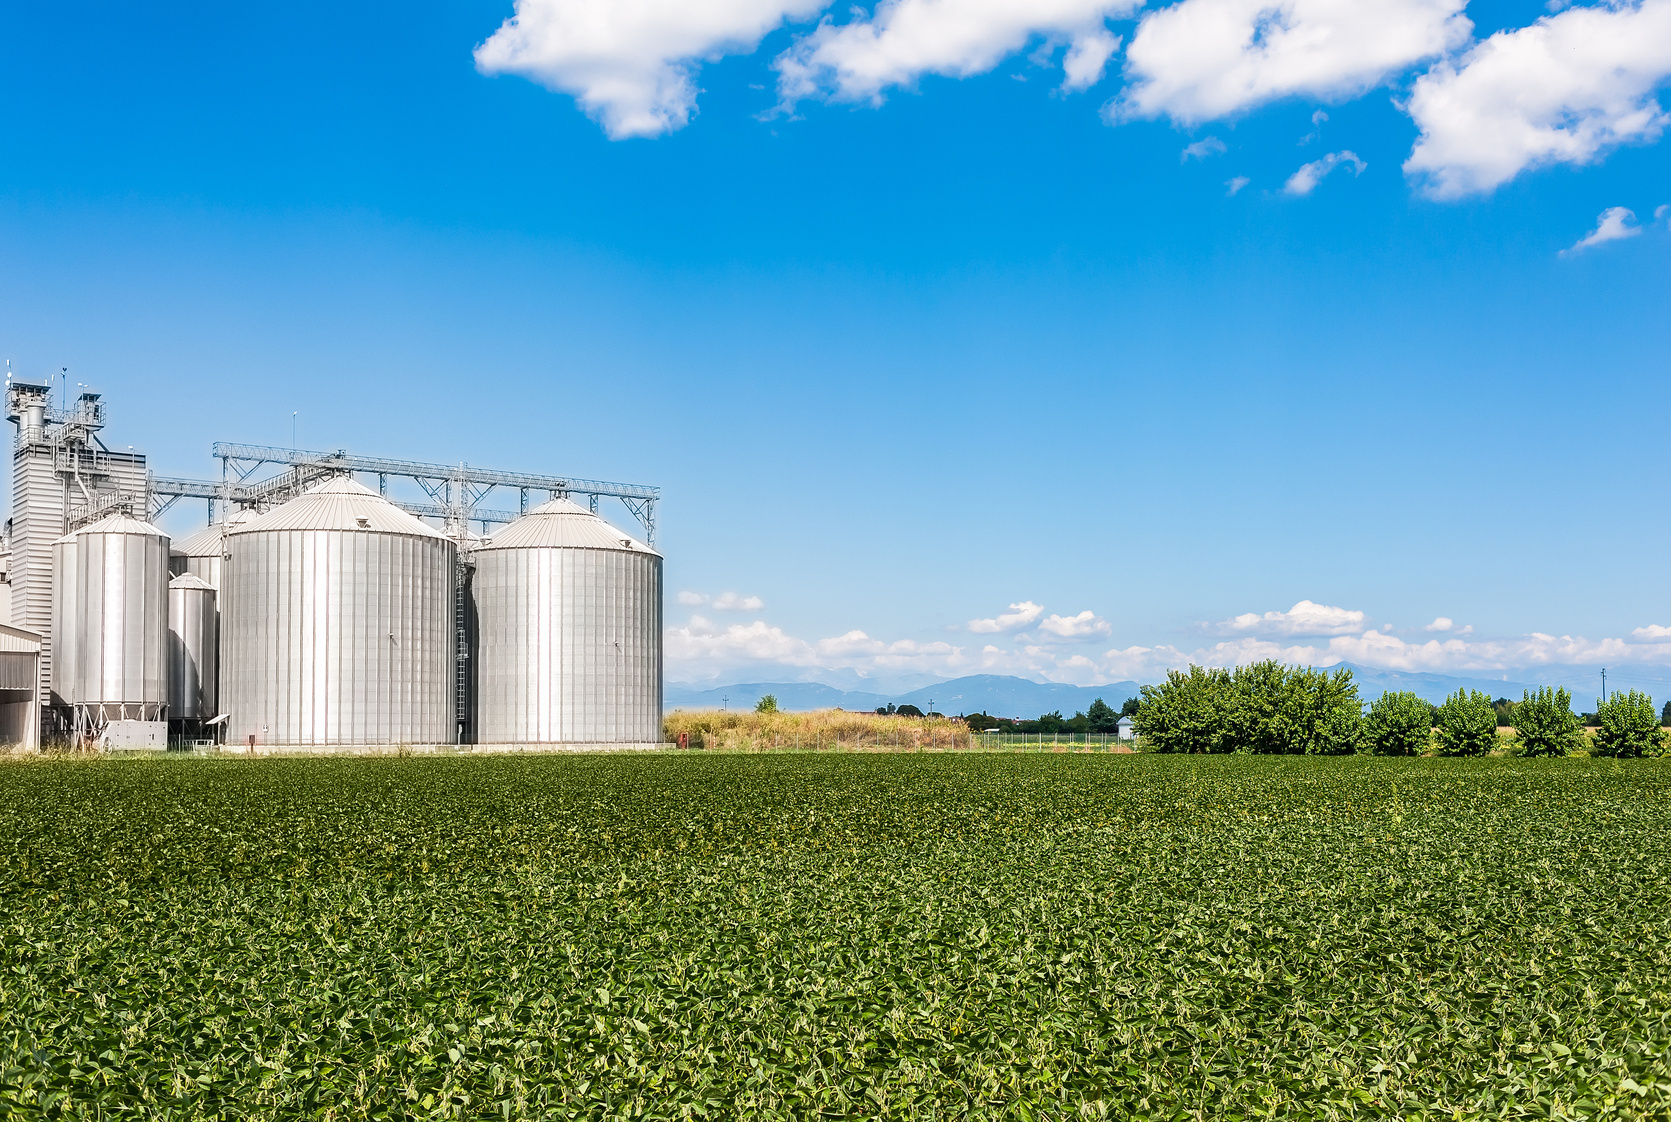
[{"x": 1126, "y": 729}]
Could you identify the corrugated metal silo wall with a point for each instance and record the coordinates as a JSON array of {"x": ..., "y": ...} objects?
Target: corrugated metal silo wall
[
  {"x": 192, "y": 642},
  {"x": 338, "y": 637},
  {"x": 112, "y": 616},
  {"x": 205, "y": 569},
  {"x": 569, "y": 647}
]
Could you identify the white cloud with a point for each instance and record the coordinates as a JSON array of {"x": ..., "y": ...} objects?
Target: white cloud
[
  {"x": 1442, "y": 623},
  {"x": 1374, "y": 648},
  {"x": 630, "y": 63},
  {"x": 1305, "y": 181},
  {"x": 1019, "y": 616},
  {"x": 1203, "y": 59},
  {"x": 1317, "y": 120},
  {"x": 702, "y": 648},
  {"x": 724, "y": 602},
  {"x": 702, "y": 642},
  {"x": 905, "y": 39},
  {"x": 1236, "y": 184},
  {"x": 1201, "y": 149},
  {"x": 1612, "y": 224},
  {"x": 1661, "y": 211},
  {"x": 731, "y": 602},
  {"x": 1563, "y": 90},
  {"x": 1085, "y": 625},
  {"x": 1304, "y": 618}
]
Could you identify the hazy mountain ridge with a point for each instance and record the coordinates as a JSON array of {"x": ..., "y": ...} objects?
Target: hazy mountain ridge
[{"x": 1004, "y": 695}]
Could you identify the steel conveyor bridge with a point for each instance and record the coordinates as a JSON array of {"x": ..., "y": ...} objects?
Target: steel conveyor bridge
[{"x": 456, "y": 491}]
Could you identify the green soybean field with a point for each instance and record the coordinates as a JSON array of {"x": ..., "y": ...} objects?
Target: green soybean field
[{"x": 910, "y": 936}]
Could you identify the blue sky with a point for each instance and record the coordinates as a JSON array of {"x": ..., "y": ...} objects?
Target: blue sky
[{"x": 906, "y": 353}]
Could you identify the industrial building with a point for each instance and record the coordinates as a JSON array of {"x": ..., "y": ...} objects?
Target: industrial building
[{"x": 319, "y": 609}]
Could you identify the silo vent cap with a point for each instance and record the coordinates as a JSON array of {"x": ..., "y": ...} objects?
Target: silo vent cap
[{"x": 363, "y": 523}]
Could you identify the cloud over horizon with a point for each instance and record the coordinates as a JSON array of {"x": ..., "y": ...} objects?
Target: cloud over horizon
[{"x": 1058, "y": 649}]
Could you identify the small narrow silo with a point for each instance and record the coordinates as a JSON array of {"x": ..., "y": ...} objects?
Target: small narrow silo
[
  {"x": 338, "y": 610},
  {"x": 110, "y": 612},
  {"x": 203, "y": 555},
  {"x": 192, "y": 647},
  {"x": 568, "y": 624}
]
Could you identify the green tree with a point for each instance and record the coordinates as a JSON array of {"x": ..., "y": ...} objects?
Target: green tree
[
  {"x": 1294, "y": 710},
  {"x": 1128, "y": 707},
  {"x": 767, "y": 704},
  {"x": 1399, "y": 724},
  {"x": 1101, "y": 717},
  {"x": 908, "y": 710},
  {"x": 1544, "y": 723},
  {"x": 1467, "y": 724},
  {"x": 1186, "y": 713},
  {"x": 1504, "y": 710},
  {"x": 1629, "y": 727}
]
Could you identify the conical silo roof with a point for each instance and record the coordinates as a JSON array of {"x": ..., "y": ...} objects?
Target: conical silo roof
[
  {"x": 191, "y": 581},
  {"x": 116, "y": 524},
  {"x": 208, "y": 541},
  {"x": 561, "y": 524},
  {"x": 339, "y": 503}
]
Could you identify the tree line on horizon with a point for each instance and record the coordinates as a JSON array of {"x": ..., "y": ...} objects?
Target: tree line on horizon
[{"x": 1270, "y": 708}]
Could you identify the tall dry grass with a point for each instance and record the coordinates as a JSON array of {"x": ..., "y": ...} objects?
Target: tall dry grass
[{"x": 832, "y": 729}]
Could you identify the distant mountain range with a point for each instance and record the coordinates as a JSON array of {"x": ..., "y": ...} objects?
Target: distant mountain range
[
  {"x": 998, "y": 694},
  {"x": 1004, "y": 695}
]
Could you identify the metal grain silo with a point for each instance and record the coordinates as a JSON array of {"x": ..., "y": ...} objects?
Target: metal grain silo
[
  {"x": 568, "y": 624},
  {"x": 202, "y": 553},
  {"x": 110, "y": 614},
  {"x": 192, "y": 646},
  {"x": 338, "y": 611}
]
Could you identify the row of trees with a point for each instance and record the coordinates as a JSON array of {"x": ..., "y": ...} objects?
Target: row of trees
[
  {"x": 1099, "y": 718},
  {"x": 1269, "y": 708}
]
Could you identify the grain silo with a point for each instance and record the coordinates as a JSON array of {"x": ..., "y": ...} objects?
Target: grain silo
[
  {"x": 338, "y": 616},
  {"x": 110, "y": 609},
  {"x": 201, "y": 554},
  {"x": 193, "y": 644},
  {"x": 568, "y": 621}
]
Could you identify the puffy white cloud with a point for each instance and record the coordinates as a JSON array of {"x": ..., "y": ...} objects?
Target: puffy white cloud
[
  {"x": 905, "y": 39},
  {"x": 700, "y": 641},
  {"x": 1614, "y": 223},
  {"x": 1233, "y": 185},
  {"x": 1563, "y": 90},
  {"x": 1085, "y": 625},
  {"x": 692, "y": 599},
  {"x": 630, "y": 63},
  {"x": 1203, "y": 59},
  {"x": 1019, "y": 616},
  {"x": 1305, "y": 181},
  {"x": 1304, "y": 618},
  {"x": 1201, "y": 149},
  {"x": 701, "y": 649},
  {"x": 1441, "y": 623}
]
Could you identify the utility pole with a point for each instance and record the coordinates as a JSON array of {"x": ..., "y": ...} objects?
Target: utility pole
[{"x": 1604, "y": 684}]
